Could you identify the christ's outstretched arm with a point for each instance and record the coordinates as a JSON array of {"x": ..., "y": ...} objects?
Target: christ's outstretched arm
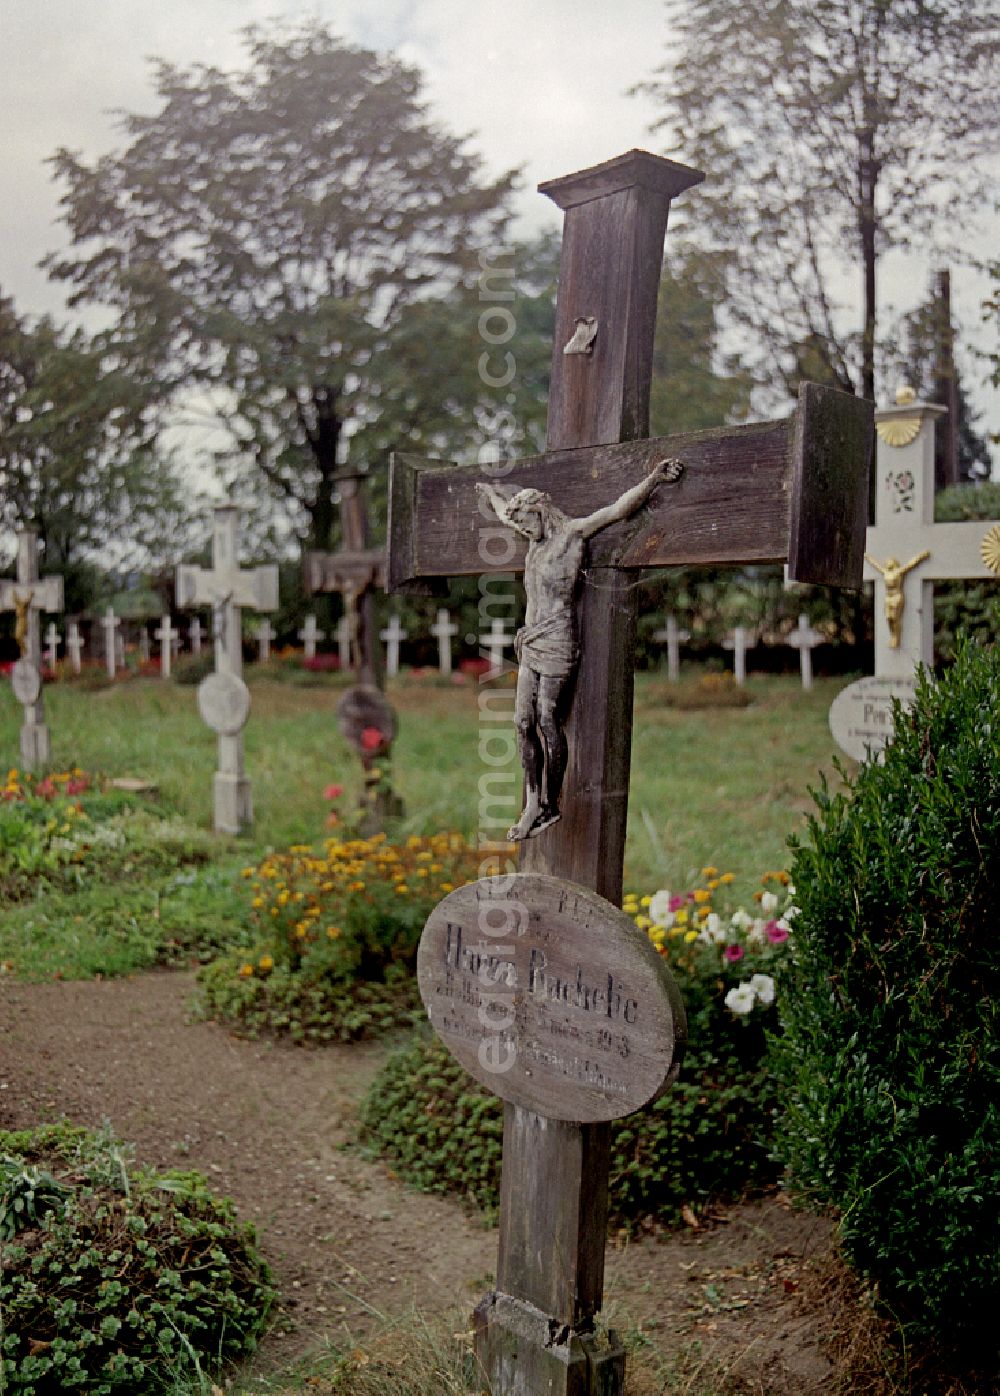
[
  {"x": 665, "y": 472},
  {"x": 498, "y": 503}
]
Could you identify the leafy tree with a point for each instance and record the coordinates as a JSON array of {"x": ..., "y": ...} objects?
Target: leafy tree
[
  {"x": 278, "y": 237},
  {"x": 78, "y": 457},
  {"x": 832, "y": 131}
]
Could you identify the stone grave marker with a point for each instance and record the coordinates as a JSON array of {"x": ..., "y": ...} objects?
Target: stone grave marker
[
  {"x": 194, "y": 635},
  {"x": 27, "y": 597},
  {"x": 443, "y": 629},
  {"x": 905, "y": 550},
  {"x": 166, "y": 634},
  {"x": 144, "y": 650},
  {"x": 494, "y": 641},
  {"x": 393, "y": 635},
  {"x": 861, "y": 715},
  {"x": 74, "y": 645},
  {"x": 110, "y": 624},
  {"x": 228, "y": 589},
  {"x": 673, "y": 637},
  {"x": 264, "y": 637},
  {"x": 52, "y": 642},
  {"x": 794, "y": 489},
  {"x": 739, "y": 641},
  {"x": 804, "y": 638},
  {"x": 310, "y": 634}
]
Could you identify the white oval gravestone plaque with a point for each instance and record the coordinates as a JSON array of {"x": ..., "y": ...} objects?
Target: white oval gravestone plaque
[
  {"x": 861, "y": 714},
  {"x": 224, "y": 703},
  {"x": 26, "y": 682},
  {"x": 551, "y": 997}
]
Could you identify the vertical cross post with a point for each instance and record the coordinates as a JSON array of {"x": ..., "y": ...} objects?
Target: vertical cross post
[
  {"x": 310, "y": 634},
  {"x": 52, "y": 642},
  {"x": 27, "y": 598},
  {"x": 393, "y": 635},
  {"x": 264, "y": 637},
  {"x": 550, "y": 1275},
  {"x": 739, "y": 642},
  {"x": 194, "y": 635},
  {"x": 165, "y": 634}
]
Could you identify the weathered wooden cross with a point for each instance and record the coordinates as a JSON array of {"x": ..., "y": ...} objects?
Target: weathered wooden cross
[
  {"x": 905, "y": 550},
  {"x": 223, "y": 697},
  {"x": 27, "y": 597},
  {"x": 791, "y": 489},
  {"x": 357, "y": 571}
]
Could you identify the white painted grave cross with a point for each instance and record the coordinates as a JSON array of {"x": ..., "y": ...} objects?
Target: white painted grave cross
[
  {"x": 739, "y": 641},
  {"x": 74, "y": 645},
  {"x": 166, "y": 635},
  {"x": 111, "y": 622},
  {"x": 264, "y": 637},
  {"x": 495, "y": 641},
  {"x": 804, "y": 638},
  {"x": 906, "y": 552},
  {"x": 792, "y": 489},
  {"x": 223, "y": 698},
  {"x": 673, "y": 637},
  {"x": 309, "y": 635},
  {"x": 393, "y": 635},
  {"x": 52, "y": 642},
  {"x": 443, "y": 629},
  {"x": 27, "y": 597}
]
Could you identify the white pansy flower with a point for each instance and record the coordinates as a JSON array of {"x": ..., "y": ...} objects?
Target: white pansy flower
[
  {"x": 782, "y": 925},
  {"x": 741, "y": 919},
  {"x": 763, "y": 987},
  {"x": 740, "y": 1000},
  {"x": 714, "y": 929},
  {"x": 790, "y": 913},
  {"x": 756, "y": 935},
  {"x": 768, "y": 903},
  {"x": 659, "y": 908}
]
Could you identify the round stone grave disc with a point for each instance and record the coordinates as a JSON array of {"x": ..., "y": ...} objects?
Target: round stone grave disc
[
  {"x": 861, "y": 715},
  {"x": 26, "y": 682},
  {"x": 551, "y": 997},
  {"x": 224, "y": 703}
]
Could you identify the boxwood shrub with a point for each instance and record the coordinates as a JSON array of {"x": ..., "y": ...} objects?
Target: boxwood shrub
[{"x": 889, "y": 1060}]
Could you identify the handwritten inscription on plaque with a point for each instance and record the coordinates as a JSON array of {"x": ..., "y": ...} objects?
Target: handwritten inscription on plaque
[
  {"x": 861, "y": 714},
  {"x": 551, "y": 997}
]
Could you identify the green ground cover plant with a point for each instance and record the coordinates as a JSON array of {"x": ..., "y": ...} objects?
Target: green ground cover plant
[
  {"x": 707, "y": 1138},
  {"x": 890, "y": 1059},
  {"x": 113, "y": 1277}
]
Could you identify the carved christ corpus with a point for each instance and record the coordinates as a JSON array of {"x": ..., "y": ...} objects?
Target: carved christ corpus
[{"x": 792, "y": 489}]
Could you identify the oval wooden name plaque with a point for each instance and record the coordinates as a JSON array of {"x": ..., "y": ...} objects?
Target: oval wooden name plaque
[
  {"x": 26, "y": 682},
  {"x": 224, "y": 703},
  {"x": 551, "y": 997}
]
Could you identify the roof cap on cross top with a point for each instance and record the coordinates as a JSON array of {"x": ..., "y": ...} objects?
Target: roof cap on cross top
[{"x": 634, "y": 169}]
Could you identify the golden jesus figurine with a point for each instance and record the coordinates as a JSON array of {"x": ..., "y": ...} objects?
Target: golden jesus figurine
[
  {"x": 546, "y": 645},
  {"x": 893, "y": 573}
]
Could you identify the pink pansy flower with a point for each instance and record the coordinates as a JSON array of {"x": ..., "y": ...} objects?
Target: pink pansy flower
[
  {"x": 333, "y": 792},
  {"x": 775, "y": 933},
  {"x": 733, "y": 953},
  {"x": 677, "y": 902}
]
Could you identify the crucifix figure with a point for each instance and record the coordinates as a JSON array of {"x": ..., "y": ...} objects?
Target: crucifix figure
[
  {"x": 546, "y": 645},
  {"x": 223, "y": 697},
  {"x": 904, "y": 527},
  {"x": 27, "y": 597},
  {"x": 792, "y": 489}
]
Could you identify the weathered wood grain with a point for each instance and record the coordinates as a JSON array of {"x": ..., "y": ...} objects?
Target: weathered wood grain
[{"x": 551, "y": 997}]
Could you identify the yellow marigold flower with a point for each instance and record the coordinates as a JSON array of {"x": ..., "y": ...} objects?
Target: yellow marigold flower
[
  {"x": 257, "y": 903},
  {"x": 645, "y": 901},
  {"x": 675, "y": 931},
  {"x": 643, "y": 922},
  {"x": 436, "y": 867},
  {"x": 709, "y": 872},
  {"x": 401, "y": 887},
  {"x": 447, "y": 887},
  {"x": 713, "y": 884},
  {"x": 702, "y": 896},
  {"x": 704, "y": 912},
  {"x": 727, "y": 877},
  {"x": 265, "y": 962},
  {"x": 689, "y": 936},
  {"x": 246, "y": 971},
  {"x": 283, "y": 898},
  {"x": 356, "y": 887},
  {"x": 682, "y": 916},
  {"x": 333, "y": 932},
  {"x": 247, "y": 872}
]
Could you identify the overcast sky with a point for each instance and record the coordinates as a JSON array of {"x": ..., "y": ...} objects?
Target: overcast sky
[{"x": 537, "y": 83}]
